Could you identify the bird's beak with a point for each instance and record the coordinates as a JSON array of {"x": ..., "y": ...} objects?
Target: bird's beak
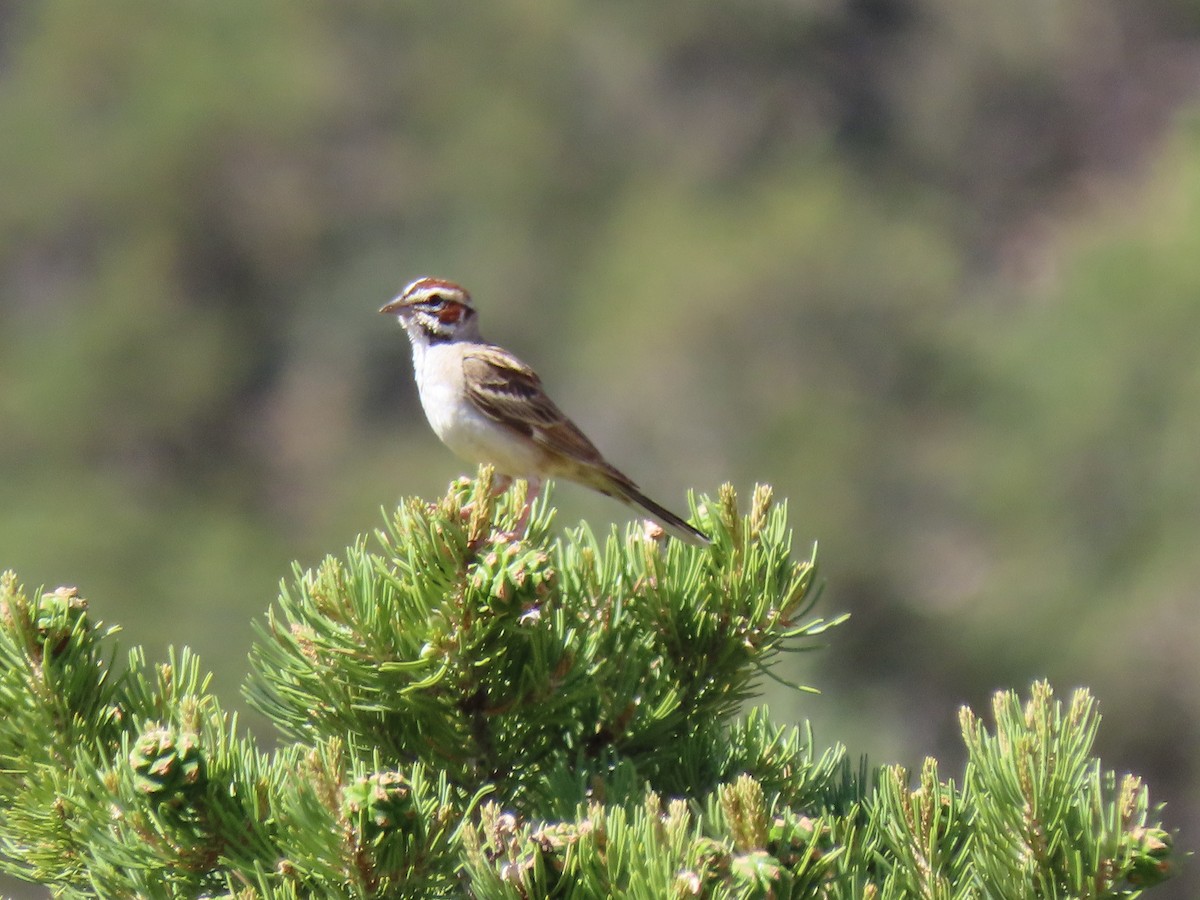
[{"x": 392, "y": 307}]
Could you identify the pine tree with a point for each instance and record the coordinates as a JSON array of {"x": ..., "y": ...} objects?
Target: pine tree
[{"x": 472, "y": 713}]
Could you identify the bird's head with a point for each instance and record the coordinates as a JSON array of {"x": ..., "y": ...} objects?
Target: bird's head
[{"x": 433, "y": 310}]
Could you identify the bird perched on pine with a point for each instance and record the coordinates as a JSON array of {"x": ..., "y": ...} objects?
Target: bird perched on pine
[{"x": 489, "y": 407}]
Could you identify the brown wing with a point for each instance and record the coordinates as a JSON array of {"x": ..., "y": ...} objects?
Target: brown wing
[{"x": 505, "y": 389}]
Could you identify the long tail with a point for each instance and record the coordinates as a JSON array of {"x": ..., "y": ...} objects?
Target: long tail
[{"x": 663, "y": 516}]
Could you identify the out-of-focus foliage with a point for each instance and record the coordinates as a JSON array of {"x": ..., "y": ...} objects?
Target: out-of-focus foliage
[{"x": 928, "y": 266}]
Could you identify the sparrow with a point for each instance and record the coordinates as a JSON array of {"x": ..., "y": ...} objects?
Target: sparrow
[{"x": 489, "y": 407}]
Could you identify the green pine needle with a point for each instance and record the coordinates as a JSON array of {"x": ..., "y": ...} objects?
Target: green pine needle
[{"x": 478, "y": 712}]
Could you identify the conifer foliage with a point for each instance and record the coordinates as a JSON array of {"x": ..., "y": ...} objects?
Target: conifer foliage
[{"x": 469, "y": 712}]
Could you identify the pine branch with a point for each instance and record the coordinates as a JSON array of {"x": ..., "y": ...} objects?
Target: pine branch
[{"x": 479, "y": 714}]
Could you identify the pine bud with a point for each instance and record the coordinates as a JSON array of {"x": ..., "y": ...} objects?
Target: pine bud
[
  {"x": 166, "y": 763},
  {"x": 712, "y": 859},
  {"x": 758, "y": 868},
  {"x": 1151, "y": 851},
  {"x": 58, "y": 613},
  {"x": 383, "y": 800}
]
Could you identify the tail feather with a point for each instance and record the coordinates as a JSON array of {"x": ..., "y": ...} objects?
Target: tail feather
[
  {"x": 608, "y": 479},
  {"x": 664, "y": 517}
]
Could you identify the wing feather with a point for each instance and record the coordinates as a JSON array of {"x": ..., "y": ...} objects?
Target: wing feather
[{"x": 505, "y": 389}]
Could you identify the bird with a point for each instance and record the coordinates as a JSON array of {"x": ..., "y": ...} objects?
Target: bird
[{"x": 489, "y": 407}]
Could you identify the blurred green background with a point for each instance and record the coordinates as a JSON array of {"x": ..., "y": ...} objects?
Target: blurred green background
[{"x": 929, "y": 267}]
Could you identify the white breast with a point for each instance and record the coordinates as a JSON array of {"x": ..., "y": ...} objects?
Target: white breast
[{"x": 470, "y": 434}]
